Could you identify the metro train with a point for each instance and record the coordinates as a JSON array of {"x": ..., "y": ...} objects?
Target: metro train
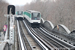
[
  {"x": 19, "y": 15},
  {"x": 33, "y": 17}
]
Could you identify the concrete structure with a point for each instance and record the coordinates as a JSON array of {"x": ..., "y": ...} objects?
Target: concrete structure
[
  {"x": 3, "y": 45},
  {"x": 62, "y": 28},
  {"x": 48, "y": 25},
  {"x": 72, "y": 33},
  {"x": 42, "y": 21}
]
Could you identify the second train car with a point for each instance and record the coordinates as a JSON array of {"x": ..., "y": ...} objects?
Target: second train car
[
  {"x": 19, "y": 15},
  {"x": 33, "y": 17}
]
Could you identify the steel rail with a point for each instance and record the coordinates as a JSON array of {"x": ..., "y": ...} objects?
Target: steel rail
[
  {"x": 22, "y": 46},
  {"x": 45, "y": 41},
  {"x": 56, "y": 43},
  {"x": 21, "y": 32},
  {"x": 59, "y": 40},
  {"x": 39, "y": 42},
  {"x": 42, "y": 40},
  {"x": 27, "y": 44},
  {"x": 43, "y": 29}
]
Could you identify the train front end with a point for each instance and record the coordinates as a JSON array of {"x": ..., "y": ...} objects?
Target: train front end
[{"x": 35, "y": 19}]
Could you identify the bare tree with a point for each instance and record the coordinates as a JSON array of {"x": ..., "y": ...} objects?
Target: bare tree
[{"x": 3, "y": 10}]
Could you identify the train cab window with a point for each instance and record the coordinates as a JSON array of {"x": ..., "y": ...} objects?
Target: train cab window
[
  {"x": 19, "y": 12},
  {"x": 35, "y": 16}
]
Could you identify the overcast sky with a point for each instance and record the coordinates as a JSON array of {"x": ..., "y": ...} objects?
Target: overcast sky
[{"x": 18, "y": 2}]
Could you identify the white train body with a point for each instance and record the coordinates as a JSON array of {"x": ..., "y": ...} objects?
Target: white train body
[
  {"x": 19, "y": 15},
  {"x": 33, "y": 17}
]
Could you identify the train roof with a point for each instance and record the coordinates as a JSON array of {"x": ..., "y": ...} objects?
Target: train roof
[{"x": 32, "y": 11}]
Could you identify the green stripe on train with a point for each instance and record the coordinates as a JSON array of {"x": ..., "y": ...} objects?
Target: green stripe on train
[
  {"x": 16, "y": 13},
  {"x": 28, "y": 14}
]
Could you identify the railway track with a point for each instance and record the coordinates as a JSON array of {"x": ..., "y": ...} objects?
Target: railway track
[
  {"x": 23, "y": 42},
  {"x": 36, "y": 38},
  {"x": 48, "y": 40},
  {"x": 63, "y": 36},
  {"x": 50, "y": 34},
  {"x": 45, "y": 39},
  {"x": 48, "y": 45},
  {"x": 18, "y": 43},
  {"x": 27, "y": 44}
]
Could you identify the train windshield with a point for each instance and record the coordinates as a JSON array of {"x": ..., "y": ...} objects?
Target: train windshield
[
  {"x": 35, "y": 16},
  {"x": 19, "y": 12}
]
